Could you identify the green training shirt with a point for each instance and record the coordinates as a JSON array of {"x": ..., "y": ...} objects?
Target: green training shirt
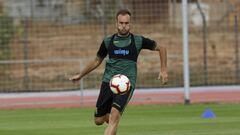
[{"x": 122, "y": 55}]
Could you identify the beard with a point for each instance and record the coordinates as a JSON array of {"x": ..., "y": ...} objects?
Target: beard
[{"x": 123, "y": 32}]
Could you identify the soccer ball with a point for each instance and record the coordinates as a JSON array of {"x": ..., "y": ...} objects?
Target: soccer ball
[{"x": 120, "y": 84}]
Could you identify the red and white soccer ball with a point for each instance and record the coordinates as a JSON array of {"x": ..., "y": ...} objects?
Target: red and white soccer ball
[{"x": 120, "y": 84}]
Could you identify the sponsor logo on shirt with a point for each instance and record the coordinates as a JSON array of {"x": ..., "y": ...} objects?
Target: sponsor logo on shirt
[
  {"x": 115, "y": 42},
  {"x": 121, "y": 52}
]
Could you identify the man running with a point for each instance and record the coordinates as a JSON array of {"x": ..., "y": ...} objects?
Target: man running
[{"x": 123, "y": 49}]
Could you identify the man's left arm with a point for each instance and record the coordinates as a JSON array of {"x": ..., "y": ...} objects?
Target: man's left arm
[
  {"x": 152, "y": 45},
  {"x": 163, "y": 75}
]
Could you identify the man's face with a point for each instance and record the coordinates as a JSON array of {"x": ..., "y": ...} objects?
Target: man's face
[{"x": 123, "y": 24}]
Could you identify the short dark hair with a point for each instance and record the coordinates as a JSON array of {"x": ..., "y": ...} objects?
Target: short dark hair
[{"x": 123, "y": 12}]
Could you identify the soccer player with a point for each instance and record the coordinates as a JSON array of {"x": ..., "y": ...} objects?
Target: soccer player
[{"x": 122, "y": 49}]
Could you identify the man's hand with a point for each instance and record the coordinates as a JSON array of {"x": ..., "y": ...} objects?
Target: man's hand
[
  {"x": 75, "y": 78},
  {"x": 163, "y": 76}
]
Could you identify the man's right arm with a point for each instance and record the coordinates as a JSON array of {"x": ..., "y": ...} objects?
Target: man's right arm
[
  {"x": 90, "y": 67},
  {"x": 101, "y": 54}
]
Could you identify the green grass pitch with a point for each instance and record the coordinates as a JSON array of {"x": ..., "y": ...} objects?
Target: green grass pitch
[{"x": 137, "y": 120}]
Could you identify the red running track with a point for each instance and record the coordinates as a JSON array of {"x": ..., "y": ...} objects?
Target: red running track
[{"x": 230, "y": 94}]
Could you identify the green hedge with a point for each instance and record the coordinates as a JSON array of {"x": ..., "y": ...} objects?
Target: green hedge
[{"x": 6, "y": 34}]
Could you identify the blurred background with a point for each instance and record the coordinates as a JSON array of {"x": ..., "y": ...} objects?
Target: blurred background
[{"x": 42, "y": 42}]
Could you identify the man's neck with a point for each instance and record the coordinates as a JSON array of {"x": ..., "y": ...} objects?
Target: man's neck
[{"x": 126, "y": 35}]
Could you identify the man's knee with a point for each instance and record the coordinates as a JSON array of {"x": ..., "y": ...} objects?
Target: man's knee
[
  {"x": 99, "y": 120},
  {"x": 115, "y": 115}
]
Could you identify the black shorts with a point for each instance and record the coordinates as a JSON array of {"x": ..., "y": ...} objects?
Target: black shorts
[{"x": 107, "y": 99}]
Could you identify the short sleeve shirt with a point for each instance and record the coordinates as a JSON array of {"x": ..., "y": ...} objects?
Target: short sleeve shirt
[{"x": 123, "y": 66}]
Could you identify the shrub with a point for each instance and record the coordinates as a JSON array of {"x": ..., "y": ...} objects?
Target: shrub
[{"x": 6, "y": 34}]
